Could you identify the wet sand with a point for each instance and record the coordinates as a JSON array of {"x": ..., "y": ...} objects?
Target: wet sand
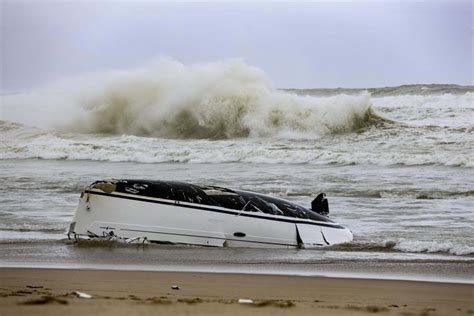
[{"x": 27, "y": 291}]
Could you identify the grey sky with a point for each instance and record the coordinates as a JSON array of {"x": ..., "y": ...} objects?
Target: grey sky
[{"x": 298, "y": 44}]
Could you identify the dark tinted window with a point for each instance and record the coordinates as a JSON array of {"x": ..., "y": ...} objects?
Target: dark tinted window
[
  {"x": 176, "y": 191},
  {"x": 282, "y": 207},
  {"x": 191, "y": 194},
  {"x": 235, "y": 202},
  {"x": 160, "y": 190}
]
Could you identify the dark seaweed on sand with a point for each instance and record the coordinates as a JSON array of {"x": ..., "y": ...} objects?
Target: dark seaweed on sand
[{"x": 45, "y": 300}]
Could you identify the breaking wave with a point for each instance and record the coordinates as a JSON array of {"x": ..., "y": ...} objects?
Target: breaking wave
[
  {"x": 409, "y": 246},
  {"x": 220, "y": 100},
  {"x": 24, "y": 142},
  {"x": 413, "y": 89}
]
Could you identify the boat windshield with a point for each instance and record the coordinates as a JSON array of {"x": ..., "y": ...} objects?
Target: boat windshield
[
  {"x": 278, "y": 206},
  {"x": 259, "y": 203}
]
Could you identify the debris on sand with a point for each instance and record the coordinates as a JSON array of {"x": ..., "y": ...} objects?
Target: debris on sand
[
  {"x": 82, "y": 294},
  {"x": 45, "y": 300},
  {"x": 190, "y": 300},
  {"x": 159, "y": 300},
  {"x": 275, "y": 303},
  {"x": 370, "y": 308},
  {"x": 245, "y": 301}
]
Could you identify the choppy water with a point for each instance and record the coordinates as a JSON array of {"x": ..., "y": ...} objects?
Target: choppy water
[{"x": 397, "y": 163}]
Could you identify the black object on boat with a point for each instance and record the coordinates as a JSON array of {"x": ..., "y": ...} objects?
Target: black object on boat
[{"x": 320, "y": 205}]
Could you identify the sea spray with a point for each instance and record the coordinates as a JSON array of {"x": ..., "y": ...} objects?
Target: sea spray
[
  {"x": 216, "y": 100},
  {"x": 219, "y": 100}
]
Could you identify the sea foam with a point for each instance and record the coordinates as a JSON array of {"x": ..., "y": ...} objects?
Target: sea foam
[{"x": 410, "y": 246}]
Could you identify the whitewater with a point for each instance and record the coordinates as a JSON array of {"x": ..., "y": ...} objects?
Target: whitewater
[{"x": 396, "y": 162}]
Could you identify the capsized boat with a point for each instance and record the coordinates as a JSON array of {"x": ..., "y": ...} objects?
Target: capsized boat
[{"x": 184, "y": 213}]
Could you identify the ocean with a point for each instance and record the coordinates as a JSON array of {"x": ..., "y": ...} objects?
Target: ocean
[{"x": 396, "y": 163}]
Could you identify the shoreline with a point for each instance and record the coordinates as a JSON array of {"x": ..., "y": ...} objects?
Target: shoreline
[
  {"x": 317, "y": 263},
  {"x": 380, "y": 276},
  {"x": 50, "y": 291}
]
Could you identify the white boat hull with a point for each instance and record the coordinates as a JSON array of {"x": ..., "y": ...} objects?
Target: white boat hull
[{"x": 128, "y": 216}]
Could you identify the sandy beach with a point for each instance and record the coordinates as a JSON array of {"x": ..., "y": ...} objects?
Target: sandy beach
[
  {"x": 27, "y": 291},
  {"x": 236, "y": 158}
]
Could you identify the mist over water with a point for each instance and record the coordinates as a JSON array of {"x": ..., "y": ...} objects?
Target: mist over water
[{"x": 396, "y": 162}]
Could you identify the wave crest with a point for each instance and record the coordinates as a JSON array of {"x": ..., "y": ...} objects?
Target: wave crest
[
  {"x": 409, "y": 246},
  {"x": 219, "y": 100}
]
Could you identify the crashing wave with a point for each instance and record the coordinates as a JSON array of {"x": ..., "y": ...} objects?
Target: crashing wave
[
  {"x": 23, "y": 142},
  {"x": 220, "y": 100}
]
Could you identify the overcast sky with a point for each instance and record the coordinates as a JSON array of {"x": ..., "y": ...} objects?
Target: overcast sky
[{"x": 298, "y": 44}]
